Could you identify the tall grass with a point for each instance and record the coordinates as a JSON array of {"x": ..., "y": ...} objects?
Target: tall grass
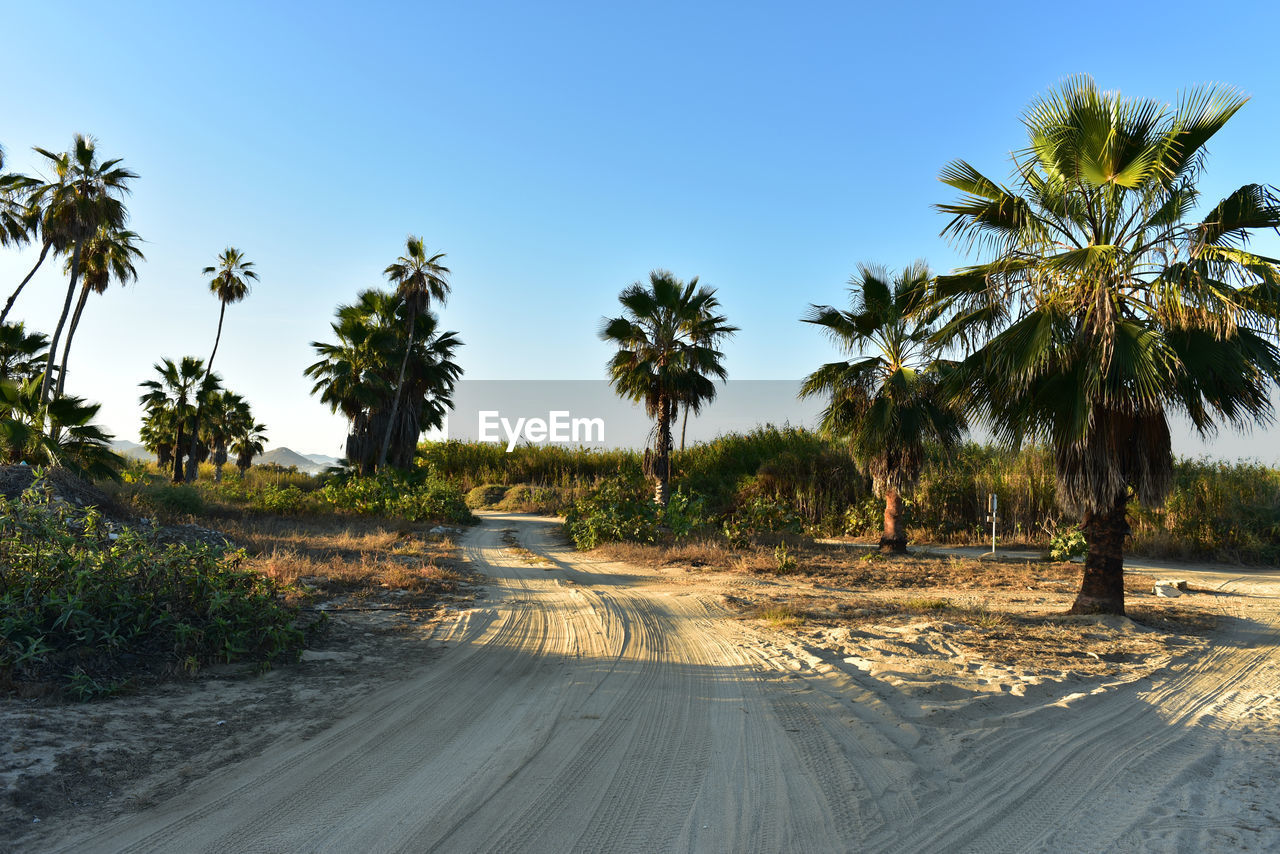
[{"x": 1228, "y": 511}]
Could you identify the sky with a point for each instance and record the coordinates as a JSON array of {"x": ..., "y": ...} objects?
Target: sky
[{"x": 557, "y": 152}]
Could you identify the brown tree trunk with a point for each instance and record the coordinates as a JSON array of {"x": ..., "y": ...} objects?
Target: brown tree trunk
[
  {"x": 662, "y": 455},
  {"x": 177, "y": 455},
  {"x": 395, "y": 401},
  {"x": 1102, "y": 588},
  {"x": 71, "y": 333},
  {"x": 47, "y": 386},
  {"x": 8, "y": 306},
  {"x": 193, "y": 467},
  {"x": 893, "y": 540}
]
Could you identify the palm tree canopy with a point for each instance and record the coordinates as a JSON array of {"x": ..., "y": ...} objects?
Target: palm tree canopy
[
  {"x": 109, "y": 254},
  {"x": 178, "y": 386},
  {"x": 231, "y": 276},
  {"x": 667, "y": 338},
  {"x": 419, "y": 276},
  {"x": 22, "y": 353},
  {"x": 60, "y": 433},
  {"x": 887, "y": 402},
  {"x": 15, "y": 211},
  {"x": 1104, "y": 303},
  {"x": 83, "y": 195}
]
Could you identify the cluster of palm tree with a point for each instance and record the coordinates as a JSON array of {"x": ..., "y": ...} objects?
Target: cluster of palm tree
[
  {"x": 1102, "y": 307},
  {"x": 78, "y": 213},
  {"x": 390, "y": 371},
  {"x": 190, "y": 418}
]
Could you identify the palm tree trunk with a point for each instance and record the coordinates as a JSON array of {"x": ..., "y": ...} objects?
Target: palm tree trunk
[
  {"x": 62, "y": 321},
  {"x": 662, "y": 460},
  {"x": 1102, "y": 587},
  {"x": 893, "y": 540},
  {"x": 177, "y": 455},
  {"x": 395, "y": 401},
  {"x": 44, "y": 250},
  {"x": 71, "y": 333},
  {"x": 193, "y": 466},
  {"x": 684, "y": 425}
]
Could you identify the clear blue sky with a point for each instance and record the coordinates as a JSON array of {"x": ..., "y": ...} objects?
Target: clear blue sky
[{"x": 556, "y": 152}]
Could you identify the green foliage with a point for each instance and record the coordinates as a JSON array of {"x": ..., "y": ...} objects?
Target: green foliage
[
  {"x": 474, "y": 464},
  {"x": 413, "y": 496},
  {"x": 280, "y": 500},
  {"x": 619, "y": 509},
  {"x": 1224, "y": 511},
  {"x": 1067, "y": 544},
  {"x": 485, "y": 496},
  {"x": 784, "y": 559},
  {"x": 175, "y": 500},
  {"x": 78, "y": 602}
]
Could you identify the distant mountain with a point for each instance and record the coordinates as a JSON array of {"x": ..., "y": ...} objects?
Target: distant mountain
[
  {"x": 132, "y": 449},
  {"x": 310, "y": 463},
  {"x": 321, "y": 459}
]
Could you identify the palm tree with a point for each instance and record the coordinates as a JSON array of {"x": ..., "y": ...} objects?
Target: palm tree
[
  {"x": 357, "y": 377},
  {"x": 14, "y": 211},
  {"x": 666, "y": 338},
  {"x": 887, "y": 402},
  {"x": 419, "y": 278},
  {"x": 109, "y": 254},
  {"x": 22, "y": 354},
  {"x": 1104, "y": 305},
  {"x": 246, "y": 443},
  {"x": 171, "y": 399},
  {"x": 84, "y": 198},
  {"x": 58, "y": 433},
  {"x": 226, "y": 415},
  {"x": 230, "y": 283}
]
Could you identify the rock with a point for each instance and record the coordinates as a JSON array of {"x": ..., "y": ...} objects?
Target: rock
[
  {"x": 1167, "y": 591},
  {"x": 1176, "y": 583}
]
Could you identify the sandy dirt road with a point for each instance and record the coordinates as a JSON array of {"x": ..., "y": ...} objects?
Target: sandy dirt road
[{"x": 588, "y": 706}]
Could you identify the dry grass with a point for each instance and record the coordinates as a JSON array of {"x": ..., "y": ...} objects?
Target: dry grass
[{"x": 350, "y": 556}]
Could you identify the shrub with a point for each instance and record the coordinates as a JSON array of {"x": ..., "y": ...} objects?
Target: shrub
[
  {"x": 485, "y": 496},
  {"x": 414, "y": 497},
  {"x": 176, "y": 499},
  {"x": 1067, "y": 544},
  {"x": 619, "y": 509},
  {"x": 78, "y": 602}
]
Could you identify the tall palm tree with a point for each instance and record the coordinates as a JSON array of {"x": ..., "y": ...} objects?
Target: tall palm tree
[
  {"x": 110, "y": 254},
  {"x": 1104, "y": 305},
  {"x": 172, "y": 399},
  {"x": 83, "y": 198},
  {"x": 356, "y": 376},
  {"x": 887, "y": 402},
  {"x": 230, "y": 282},
  {"x": 419, "y": 278},
  {"x": 666, "y": 337},
  {"x": 22, "y": 354}
]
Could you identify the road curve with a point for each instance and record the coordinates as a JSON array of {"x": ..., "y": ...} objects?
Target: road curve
[{"x": 589, "y": 706}]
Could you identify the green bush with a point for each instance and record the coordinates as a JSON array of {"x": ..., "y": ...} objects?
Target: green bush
[
  {"x": 83, "y": 606},
  {"x": 620, "y": 508},
  {"x": 1067, "y": 544},
  {"x": 176, "y": 499},
  {"x": 415, "y": 497},
  {"x": 485, "y": 496}
]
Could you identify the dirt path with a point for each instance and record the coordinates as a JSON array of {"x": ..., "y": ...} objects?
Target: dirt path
[{"x": 590, "y": 706}]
